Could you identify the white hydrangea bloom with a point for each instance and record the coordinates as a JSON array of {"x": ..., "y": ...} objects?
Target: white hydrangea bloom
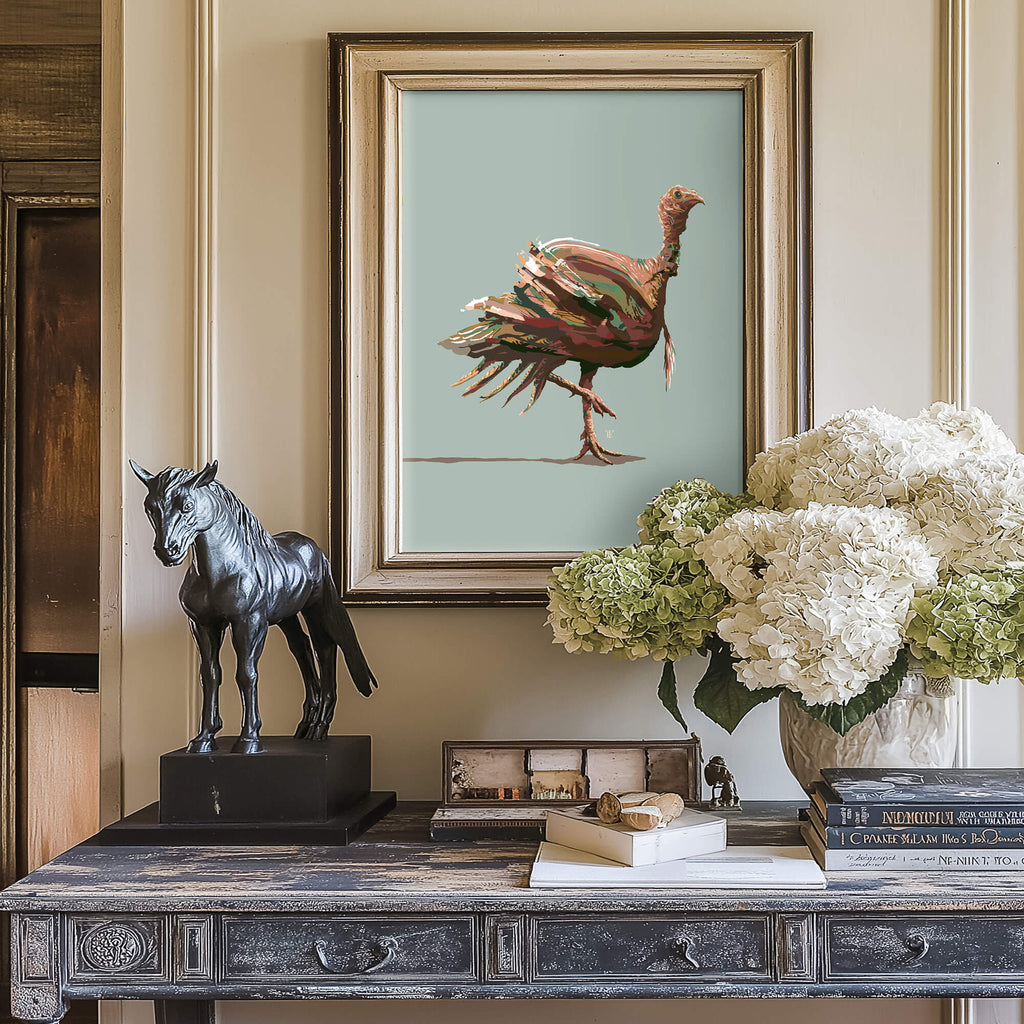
[
  {"x": 955, "y": 471},
  {"x": 972, "y": 512},
  {"x": 821, "y": 596},
  {"x": 965, "y": 431},
  {"x": 847, "y": 461}
]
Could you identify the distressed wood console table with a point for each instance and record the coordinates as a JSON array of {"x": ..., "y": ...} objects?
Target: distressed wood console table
[{"x": 395, "y": 915}]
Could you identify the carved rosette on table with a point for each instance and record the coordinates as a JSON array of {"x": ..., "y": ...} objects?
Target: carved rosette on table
[
  {"x": 113, "y": 947},
  {"x": 914, "y": 729},
  {"x": 132, "y": 950}
]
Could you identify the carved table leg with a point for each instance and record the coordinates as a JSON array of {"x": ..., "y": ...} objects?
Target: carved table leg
[
  {"x": 185, "y": 1011},
  {"x": 35, "y": 984}
]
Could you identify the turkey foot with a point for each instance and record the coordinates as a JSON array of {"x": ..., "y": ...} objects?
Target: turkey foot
[
  {"x": 593, "y": 447},
  {"x": 592, "y": 404}
]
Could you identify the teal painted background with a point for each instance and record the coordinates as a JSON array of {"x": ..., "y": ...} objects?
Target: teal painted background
[{"x": 484, "y": 174}]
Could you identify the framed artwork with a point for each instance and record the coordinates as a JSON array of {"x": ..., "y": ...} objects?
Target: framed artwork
[{"x": 558, "y": 225}]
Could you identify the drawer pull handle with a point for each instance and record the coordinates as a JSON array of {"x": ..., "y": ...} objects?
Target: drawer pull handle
[
  {"x": 682, "y": 951},
  {"x": 918, "y": 945},
  {"x": 386, "y": 949}
]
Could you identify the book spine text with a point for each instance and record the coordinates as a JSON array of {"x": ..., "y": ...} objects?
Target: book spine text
[
  {"x": 924, "y": 838},
  {"x": 924, "y": 816}
]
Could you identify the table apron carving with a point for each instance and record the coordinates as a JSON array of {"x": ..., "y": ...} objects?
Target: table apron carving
[
  {"x": 397, "y": 916},
  {"x": 251, "y": 955}
]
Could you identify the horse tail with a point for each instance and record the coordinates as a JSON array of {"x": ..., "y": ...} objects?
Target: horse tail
[{"x": 342, "y": 632}]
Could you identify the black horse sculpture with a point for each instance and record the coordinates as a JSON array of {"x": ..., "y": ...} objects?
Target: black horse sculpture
[{"x": 244, "y": 578}]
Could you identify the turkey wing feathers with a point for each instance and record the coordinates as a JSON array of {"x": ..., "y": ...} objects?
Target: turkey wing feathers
[{"x": 571, "y": 301}]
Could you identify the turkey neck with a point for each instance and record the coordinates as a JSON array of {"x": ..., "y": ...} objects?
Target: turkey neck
[{"x": 668, "y": 266}]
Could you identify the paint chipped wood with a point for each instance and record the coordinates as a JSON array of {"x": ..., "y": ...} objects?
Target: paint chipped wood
[{"x": 394, "y": 915}]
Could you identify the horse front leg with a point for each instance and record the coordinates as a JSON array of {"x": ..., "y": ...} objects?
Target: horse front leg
[
  {"x": 208, "y": 639},
  {"x": 248, "y": 637}
]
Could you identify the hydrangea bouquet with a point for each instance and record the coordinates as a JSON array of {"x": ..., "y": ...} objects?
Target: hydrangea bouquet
[{"x": 859, "y": 544}]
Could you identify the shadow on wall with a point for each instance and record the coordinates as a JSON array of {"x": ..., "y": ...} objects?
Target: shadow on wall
[{"x": 479, "y": 673}]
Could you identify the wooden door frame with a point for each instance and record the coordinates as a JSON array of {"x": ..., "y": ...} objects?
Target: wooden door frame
[{"x": 24, "y": 185}]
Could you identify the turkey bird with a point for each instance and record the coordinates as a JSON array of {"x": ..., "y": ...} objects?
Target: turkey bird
[{"x": 575, "y": 302}]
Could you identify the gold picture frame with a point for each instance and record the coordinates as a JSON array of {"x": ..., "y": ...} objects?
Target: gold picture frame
[{"x": 368, "y": 77}]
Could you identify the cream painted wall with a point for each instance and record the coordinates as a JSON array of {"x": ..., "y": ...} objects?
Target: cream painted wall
[
  {"x": 476, "y": 672},
  {"x": 470, "y": 672}
]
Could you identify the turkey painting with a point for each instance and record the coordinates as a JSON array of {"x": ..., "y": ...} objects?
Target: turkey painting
[
  {"x": 575, "y": 302},
  {"x": 474, "y": 475}
]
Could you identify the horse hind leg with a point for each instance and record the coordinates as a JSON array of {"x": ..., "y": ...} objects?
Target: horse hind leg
[
  {"x": 298, "y": 644},
  {"x": 327, "y": 658}
]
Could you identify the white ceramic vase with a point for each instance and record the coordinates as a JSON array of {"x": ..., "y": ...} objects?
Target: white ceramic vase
[{"x": 913, "y": 730}]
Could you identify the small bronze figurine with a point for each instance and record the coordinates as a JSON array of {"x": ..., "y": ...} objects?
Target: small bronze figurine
[
  {"x": 243, "y": 577},
  {"x": 718, "y": 776}
]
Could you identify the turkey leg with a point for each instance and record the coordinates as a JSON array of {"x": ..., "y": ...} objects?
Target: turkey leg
[
  {"x": 596, "y": 402},
  {"x": 590, "y": 403}
]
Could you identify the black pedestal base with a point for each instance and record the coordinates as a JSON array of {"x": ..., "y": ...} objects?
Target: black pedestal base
[
  {"x": 290, "y": 781},
  {"x": 144, "y": 828}
]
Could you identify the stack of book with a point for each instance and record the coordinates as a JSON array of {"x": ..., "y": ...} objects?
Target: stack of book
[{"x": 920, "y": 819}]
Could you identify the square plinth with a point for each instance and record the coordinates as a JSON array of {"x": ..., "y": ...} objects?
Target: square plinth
[
  {"x": 290, "y": 781},
  {"x": 144, "y": 828}
]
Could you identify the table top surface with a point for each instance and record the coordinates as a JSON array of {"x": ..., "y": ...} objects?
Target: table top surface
[{"x": 395, "y": 868}]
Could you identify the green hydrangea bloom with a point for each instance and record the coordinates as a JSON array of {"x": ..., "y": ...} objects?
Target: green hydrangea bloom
[
  {"x": 643, "y": 601},
  {"x": 654, "y": 599},
  {"x": 971, "y": 626},
  {"x": 687, "y": 510}
]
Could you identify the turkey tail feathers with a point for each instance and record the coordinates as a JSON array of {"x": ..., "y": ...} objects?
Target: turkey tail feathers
[
  {"x": 486, "y": 375},
  {"x": 505, "y": 383},
  {"x": 523, "y": 368},
  {"x": 525, "y": 383},
  {"x": 474, "y": 340},
  {"x": 539, "y": 371}
]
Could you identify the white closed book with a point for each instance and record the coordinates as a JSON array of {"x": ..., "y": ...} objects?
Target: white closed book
[
  {"x": 691, "y": 834},
  {"x": 738, "y": 867}
]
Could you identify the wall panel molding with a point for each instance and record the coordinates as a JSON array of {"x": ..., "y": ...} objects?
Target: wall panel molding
[
  {"x": 952, "y": 343},
  {"x": 951, "y": 352},
  {"x": 204, "y": 229},
  {"x": 112, "y": 441},
  {"x": 951, "y": 365}
]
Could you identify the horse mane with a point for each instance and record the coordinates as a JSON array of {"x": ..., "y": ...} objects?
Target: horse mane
[{"x": 254, "y": 532}]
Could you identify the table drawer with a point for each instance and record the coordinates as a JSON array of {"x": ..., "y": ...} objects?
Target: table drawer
[
  {"x": 651, "y": 948},
  {"x": 122, "y": 949},
  {"x": 932, "y": 946},
  {"x": 350, "y": 949}
]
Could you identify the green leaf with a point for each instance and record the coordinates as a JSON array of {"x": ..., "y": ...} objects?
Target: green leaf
[
  {"x": 720, "y": 694},
  {"x": 667, "y": 692},
  {"x": 841, "y": 718}
]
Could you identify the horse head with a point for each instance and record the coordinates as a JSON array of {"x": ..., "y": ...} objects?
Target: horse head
[{"x": 179, "y": 507}]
